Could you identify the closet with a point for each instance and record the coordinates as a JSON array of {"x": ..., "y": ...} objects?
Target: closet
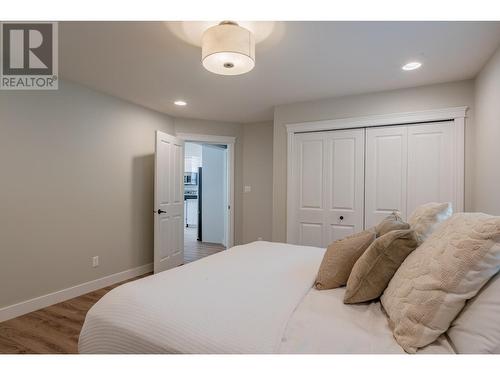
[{"x": 343, "y": 181}]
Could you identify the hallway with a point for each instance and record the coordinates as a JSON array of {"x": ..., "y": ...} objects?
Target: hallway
[{"x": 194, "y": 249}]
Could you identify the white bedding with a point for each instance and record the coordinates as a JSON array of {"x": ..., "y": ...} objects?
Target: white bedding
[
  {"x": 322, "y": 324},
  {"x": 236, "y": 301},
  {"x": 255, "y": 298}
]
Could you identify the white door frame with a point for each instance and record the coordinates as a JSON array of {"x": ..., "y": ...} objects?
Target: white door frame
[
  {"x": 229, "y": 142},
  {"x": 455, "y": 114}
]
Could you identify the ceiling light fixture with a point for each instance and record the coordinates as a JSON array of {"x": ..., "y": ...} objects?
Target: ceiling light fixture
[
  {"x": 412, "y": 65},
  {"x": 180, "y": 103},
  {"x": 228, "y": 49}
]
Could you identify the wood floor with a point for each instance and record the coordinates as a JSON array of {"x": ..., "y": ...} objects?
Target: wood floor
[
  {"x": 55, "y": 329},
  {"x": 194, "y": 250}
]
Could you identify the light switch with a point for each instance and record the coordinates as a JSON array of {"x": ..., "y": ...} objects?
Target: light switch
[{"x": 247, "y": 189}]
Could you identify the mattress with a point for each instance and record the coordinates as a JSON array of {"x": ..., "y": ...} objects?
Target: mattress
[{"x": 255, "y": 298}]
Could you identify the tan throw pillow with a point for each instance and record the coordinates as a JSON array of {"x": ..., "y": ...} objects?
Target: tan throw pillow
[
  {"x": 339, "y": 259},
  {"x": 434, "y": 282},
  {"x": 391, "y": 222},
  {"x": 427, "y": 217},
  {"x": 375, "y": 268}
]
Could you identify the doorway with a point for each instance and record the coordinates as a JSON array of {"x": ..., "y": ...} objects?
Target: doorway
[{"x": 207, "y": 197}]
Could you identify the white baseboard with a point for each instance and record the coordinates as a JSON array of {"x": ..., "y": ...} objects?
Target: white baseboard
[{"x": 37, "y": 303}]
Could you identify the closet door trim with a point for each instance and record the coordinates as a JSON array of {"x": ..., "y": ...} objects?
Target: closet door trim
[{"x": 403, "y": 118}]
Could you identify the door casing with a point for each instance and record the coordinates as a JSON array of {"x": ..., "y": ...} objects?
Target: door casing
[{"x": 229, "y": 142}]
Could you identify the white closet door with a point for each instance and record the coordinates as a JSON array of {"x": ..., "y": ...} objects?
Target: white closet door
[
  {"x": 430, "y": 164},
  {"x": 345, "y": 183},
  {"x": 386, "y": 172},
  {"x": 310, "y": 185},
  {"x": 326, "y": 183}
]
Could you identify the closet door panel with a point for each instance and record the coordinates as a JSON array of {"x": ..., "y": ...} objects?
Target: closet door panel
[
  {"x": 327, "y": 187},
  {"x": 345, "y": 183},
  {"x": 311, "y": 157},
  {"x": 386, "y": 173},
  {"x": 311, "y": 234},
  {"x": 308, "y": 190},
  {"x": 339, "y": 231},
  {"x": 430, "y": 164}
]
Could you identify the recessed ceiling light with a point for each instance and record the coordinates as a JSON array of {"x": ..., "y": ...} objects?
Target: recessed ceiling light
[
  {"x": 412, "y": 65},
  {"x": 180, "y": 103}
]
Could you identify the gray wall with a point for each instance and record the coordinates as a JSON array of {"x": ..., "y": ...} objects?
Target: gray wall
[
  {"x": 486, "y": 188},
  {"x": 258, "y": 174},
  {"x": 76, "y": 181},
  {"x": 419, "y": 98}
]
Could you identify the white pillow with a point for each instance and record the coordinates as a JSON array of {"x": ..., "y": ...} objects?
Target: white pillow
[
  {"x": 477, "y": 329},
  {"x": 427, "y": 217},
  {"x": 434, "y": 282}
]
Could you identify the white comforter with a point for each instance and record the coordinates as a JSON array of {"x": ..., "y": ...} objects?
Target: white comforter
[
  {"x": 255, "y": 298},
  {"x": 237, "y": 301}
]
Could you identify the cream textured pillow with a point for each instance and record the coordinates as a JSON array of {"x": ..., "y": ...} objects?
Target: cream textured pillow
[
  {"x": 434, "y": 282},
  {"x": 391, "y": 222},
  {"x": 339, "y": 258},
  {"x": 427, "y": 217},
  {"x": 375, "y": 268}
]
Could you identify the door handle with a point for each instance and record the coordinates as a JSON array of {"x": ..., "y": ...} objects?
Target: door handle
[{"x": 160, "y": 211}]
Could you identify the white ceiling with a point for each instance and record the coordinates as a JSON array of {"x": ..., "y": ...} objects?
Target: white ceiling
[{"x": 146, "y": 63}]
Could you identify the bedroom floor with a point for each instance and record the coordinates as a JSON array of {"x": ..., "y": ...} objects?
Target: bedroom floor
[{"x": 52, "y": 330}]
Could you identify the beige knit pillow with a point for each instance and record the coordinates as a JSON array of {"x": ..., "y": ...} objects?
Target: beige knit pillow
[
  {"x": 375, "y": 268},
  {"x": 434, "y": 282},
  {"x": 427, "y": 217},
  {"x": 391, "y": 222},
  {"x": 339, "y": 259}
]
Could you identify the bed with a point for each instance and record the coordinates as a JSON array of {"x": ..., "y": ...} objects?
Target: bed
[{"x": 253, "y": 299}]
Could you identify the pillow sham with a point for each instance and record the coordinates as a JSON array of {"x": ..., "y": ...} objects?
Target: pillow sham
[
  {"x": 391, "y": 222},
  {"x": 477, "y": 329},
  {"x": 375, "y": 268},
  {"x": 339, "y": 259},
  {"x": 434, "y": 282},
  {"x": 426, "y": 218}
]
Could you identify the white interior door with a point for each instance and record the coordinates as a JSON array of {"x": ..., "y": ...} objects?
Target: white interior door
[
  {"x": 431, "y": 171},
  {"x": 386, "y": 172},
  {"x": 169, "y": 202},
  {"x": 327, "y": 187}
]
